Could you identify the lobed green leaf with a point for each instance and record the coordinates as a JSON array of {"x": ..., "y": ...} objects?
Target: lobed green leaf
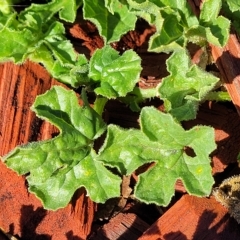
[
  {"x": 112, "y": 19},
  {"x": 210, "y": 10},
  {"x": 232, "y": 12},
  {"x": 17, "y": 48},
  {"x": 67, "y": 9},
  {"x": 176, "y": 20},
  {"x": 126, "y": 149},
  {"x": 234, "y": 5},
  {"x": 114, "y": 75},
  {"x": 168, "y": 38},
  {"x": 194, "y": 171},
  {"x": 58, "y": 167},
  {"x": 35, "y": 34},
  {"x": 163, "y": 141},
  {"x": 184, "y": 89},
  {"x": 217, "y": 28},
  {"x": 176, "y": 24}
]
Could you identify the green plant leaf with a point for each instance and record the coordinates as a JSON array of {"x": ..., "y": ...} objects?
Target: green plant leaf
[
  {"x": 176, "y": 24},
  {"x": 217, "y": 28},
  {"x": 194, "y": 171},
  {"x": 126, "y": 149},
  {"x": 185, "y": 87},
  {"x": 67, "y": 162},
  {"x": 163, "y": 141},
  {"x": 15, "y": 49},
  {"x": 42, "y": 41},
  {"x": 181, "y": 7},
  {"x": 17, "y": 38},
  {"x": 67, "y": 9},
  {"x": 168, "y": 39},
  {"x": 146, "y": 10},
  {"x": 176, "y": 19},
  {"x": 74, "y": 74},
  {"x": 218, "y": 32},
  {"x": 234, "y": 5},
  {"x": 6, "y": 6},
  {"x": 139, "y": 95},
  {"x": 59, "y": 57},
  {"x": 114, "y": 75},
  {"x": 232, "y": 13},
  {"x": 61, "y": 48},
  {"x": 210, "y": 10},
  {"x": 111, "y": 24}
]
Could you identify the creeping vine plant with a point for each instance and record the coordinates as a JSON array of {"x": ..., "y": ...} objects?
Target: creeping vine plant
[{"x": 59, "y": 166}]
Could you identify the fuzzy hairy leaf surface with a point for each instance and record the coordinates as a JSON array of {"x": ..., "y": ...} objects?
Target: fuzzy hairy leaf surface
[
  {"x": 112, "y": 19},
  {"x": 126, "y": 149},
  {"x": 67, "y": 9},
  {"x": 177, "y": 19},
  {"x": 15, "y": 49},
  {"x": 175, "y": 162},
  {"x": 234, "y": 5},
  {"x": 35, "y": 34},
  {"x": 114, "y": 75},
  {"x": 232, "y": 13},
  {"x": 176, "y": 24},
  {"x": 163, "y": 141},
  {"x": 6, "y": 6},
  {"x": 58, "y": 167},
  {"x": 185, "y": 87},
  {"x": 57, "y": 54},
  {"x": 216, "y": 27}
]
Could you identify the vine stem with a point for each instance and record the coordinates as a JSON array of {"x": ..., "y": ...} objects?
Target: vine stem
[
  {"x": 145, "y": 93},
  {"x": 218, "y": 96},
  {"x": 99, "y": 104}
]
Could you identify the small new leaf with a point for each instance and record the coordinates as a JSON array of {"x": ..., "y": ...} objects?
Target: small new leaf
[
  {"x": 114, "y": 75},
  {"x": 58, "y": 167}
]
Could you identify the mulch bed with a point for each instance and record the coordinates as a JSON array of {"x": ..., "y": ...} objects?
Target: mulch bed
[{"x": 187, "y": 217}]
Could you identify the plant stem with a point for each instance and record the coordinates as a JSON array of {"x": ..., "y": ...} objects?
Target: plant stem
[
  {"x": 138, "y": 95},
  {"x": 145, "y": 93},
  {"x": 99, "y": 104},
  {"x": 218, "y": 96}
]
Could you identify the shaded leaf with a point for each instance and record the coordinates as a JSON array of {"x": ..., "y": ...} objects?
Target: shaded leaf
[
  {"x": 234, "y": 5},
  {"x": 112, "y": 21}
]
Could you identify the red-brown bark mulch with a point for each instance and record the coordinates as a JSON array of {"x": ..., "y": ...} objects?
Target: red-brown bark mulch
[{"x": 187, "y": 217}]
